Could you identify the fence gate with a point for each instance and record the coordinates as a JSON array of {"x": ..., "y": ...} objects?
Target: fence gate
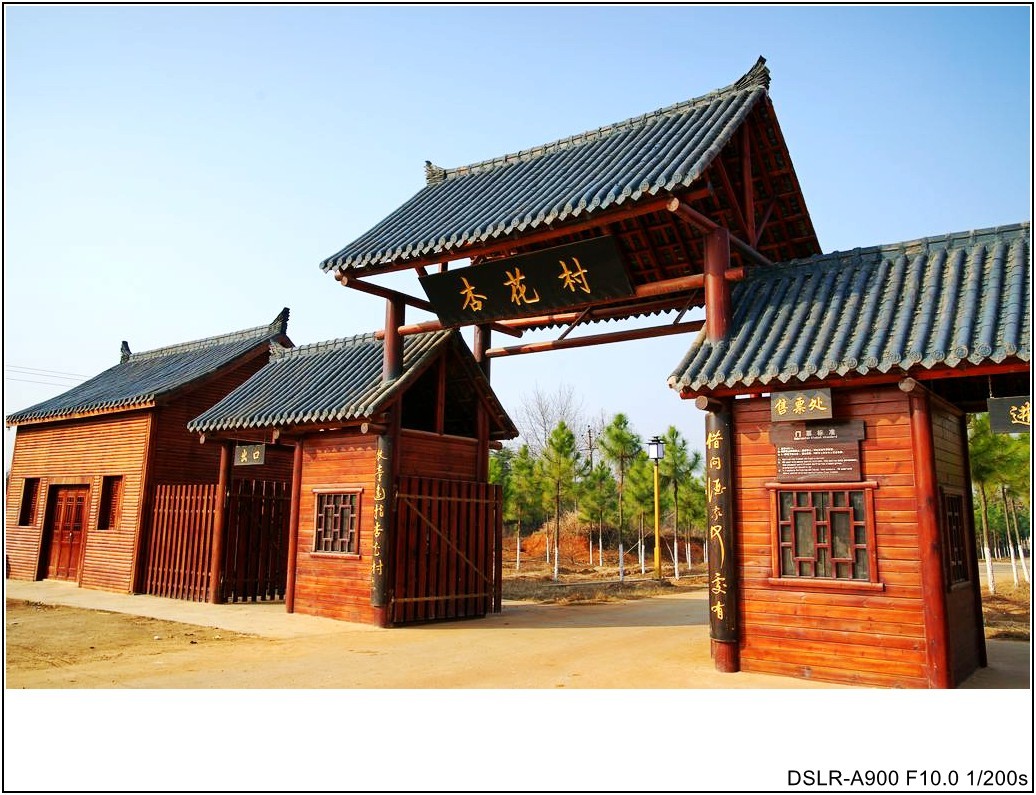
[
  {"x": 447, "y": 549},
  {"x": 183, "y": 522},
  {"x": 255, "y": 568}
]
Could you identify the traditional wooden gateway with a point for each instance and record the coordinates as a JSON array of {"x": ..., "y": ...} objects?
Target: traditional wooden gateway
[
  {"x": 841, "y": 541},
  {"x": 108, "y": 488},
  {"x": 392, "y": 518}
]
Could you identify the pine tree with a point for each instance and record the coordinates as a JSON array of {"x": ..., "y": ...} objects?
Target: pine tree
[{"x": 619, "y": 444}]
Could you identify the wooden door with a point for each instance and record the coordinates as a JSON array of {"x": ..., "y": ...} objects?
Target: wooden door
[
  {"x": 67, "y": 519},
  {"x": 963, "y": 599}
]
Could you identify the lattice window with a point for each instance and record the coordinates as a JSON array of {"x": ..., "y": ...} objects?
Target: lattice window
[
  {"x": 825, "y": 533},
  {"x": 30, "y": 500},
  {"x": 337, "y": 523},
  {"x": 111, "y": 502},
  {"x": 954, "y": 534}
]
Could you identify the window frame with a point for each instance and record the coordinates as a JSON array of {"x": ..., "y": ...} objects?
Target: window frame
[
  {"x": 109, "y": 509},
  {"x": 954, "y": 542},
  {"x": 27, "y": 513},
  {"x": 872, "y": 583},
  {"x": 325, "y": 491}
]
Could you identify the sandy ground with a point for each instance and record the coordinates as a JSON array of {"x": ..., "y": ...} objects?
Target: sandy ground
[
  {"x": 59, "y": 636},
  {"x": 525, "y": 646}
]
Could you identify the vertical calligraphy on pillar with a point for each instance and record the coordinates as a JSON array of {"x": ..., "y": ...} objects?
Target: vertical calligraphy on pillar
[
  {"x": 380, "y": 548},
  {"x": 719, "y": 505}
]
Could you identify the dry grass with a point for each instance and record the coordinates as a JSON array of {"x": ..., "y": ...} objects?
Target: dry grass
[{"x": 1007, "y": 613}]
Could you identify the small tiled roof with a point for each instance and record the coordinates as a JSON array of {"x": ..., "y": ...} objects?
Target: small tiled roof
[
  {"x": 939, "y": 301},
  {"x": 659, "y": 152},
  {"x": 334, "y": 381},
  {"x": 142, "y": 378}
]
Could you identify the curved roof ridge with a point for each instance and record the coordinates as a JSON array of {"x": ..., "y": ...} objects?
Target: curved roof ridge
[
  {"x": 278, "y": 327},
  {"x": 317, "y": 348},
  {"x": 756, "y": 77},
  {"x": 921, "y": 245}
]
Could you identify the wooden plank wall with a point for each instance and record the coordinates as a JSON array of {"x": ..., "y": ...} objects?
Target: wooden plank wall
[
  {"x": 430, "y": 455},
  {"x": 181, "y": 458},
  {"x": 81, "y": 452},
  {"x": 857, "y": 638},
  {"x": 445, "y": 538},
  {"x": 336, "y": 586}
]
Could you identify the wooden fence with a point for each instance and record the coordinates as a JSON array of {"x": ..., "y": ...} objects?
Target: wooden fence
[
  {"x": 255, "y": 546},
  {"x": 180, "y": 548},
  {"x": 447, "y": 550}
]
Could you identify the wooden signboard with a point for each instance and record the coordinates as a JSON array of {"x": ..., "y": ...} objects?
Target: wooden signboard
[
  {"x": 805, "y": 404},
  {"x": 562, "y": 277},
  {"x": 1010, "y": 415},
  {"x": 249, "y": 454},
  {"x": 818, "y": 452}
]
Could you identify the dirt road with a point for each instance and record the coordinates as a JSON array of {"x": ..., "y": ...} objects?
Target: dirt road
[{"x": 525, "y": 646}]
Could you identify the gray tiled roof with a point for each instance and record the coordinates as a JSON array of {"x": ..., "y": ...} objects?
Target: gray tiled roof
[
  {"x": 939, "y": 301},
  {"x": 579, "y": 176},
  {"x": 141, "y": 378},
  {"x": 329, "y": 382}
]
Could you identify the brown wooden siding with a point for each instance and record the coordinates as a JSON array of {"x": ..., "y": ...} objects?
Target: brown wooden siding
[
  {"x": 183, "y": 459},
  {"x": 81, "y": 452},
  {"x": 332, "y": 585},
  {"x": 857, "y": 637},
  {"x": 430, "y": 455}
]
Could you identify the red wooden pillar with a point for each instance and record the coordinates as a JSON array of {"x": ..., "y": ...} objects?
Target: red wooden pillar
[
  {"x": 395, "y": 315},
  {"x": 717, "y": 289},
  {"x": 933, "y": 585},
  {"x": 483, "y": 336},
  {"x": 219, "y": 531},
  {"x": 293, "y": 527}
]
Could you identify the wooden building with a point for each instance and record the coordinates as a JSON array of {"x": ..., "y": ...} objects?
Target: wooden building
[
  {"x": 393, "y": 519},
  {"x": 87, "y": 464},
  {"x": 842, "y": 545}
]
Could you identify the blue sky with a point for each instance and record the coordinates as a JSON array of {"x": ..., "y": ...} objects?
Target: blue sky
[{"x": 175, "y": 172}]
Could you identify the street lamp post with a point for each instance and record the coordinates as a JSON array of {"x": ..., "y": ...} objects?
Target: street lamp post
[{"x": 656, "y": 449}]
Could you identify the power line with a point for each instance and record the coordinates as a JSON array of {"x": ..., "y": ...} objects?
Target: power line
[
  {"x": 45, "y": 383},
  {"x": 61, "y": 373}
]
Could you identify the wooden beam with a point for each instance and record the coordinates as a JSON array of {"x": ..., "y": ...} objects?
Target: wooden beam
[
  {"x": 765, "y": 220},
  {"x": 408, "y": 329},
  {"x": 853, "y": 382},
  {"x": 728, "y": 189},
  {"x": 571, "y": 326},
  {"x": 706, "y": 224},
  {"x": 596, "y": 339},
  {"x": 748, "y": 185},
  {"x": 385, "y": 292}
]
